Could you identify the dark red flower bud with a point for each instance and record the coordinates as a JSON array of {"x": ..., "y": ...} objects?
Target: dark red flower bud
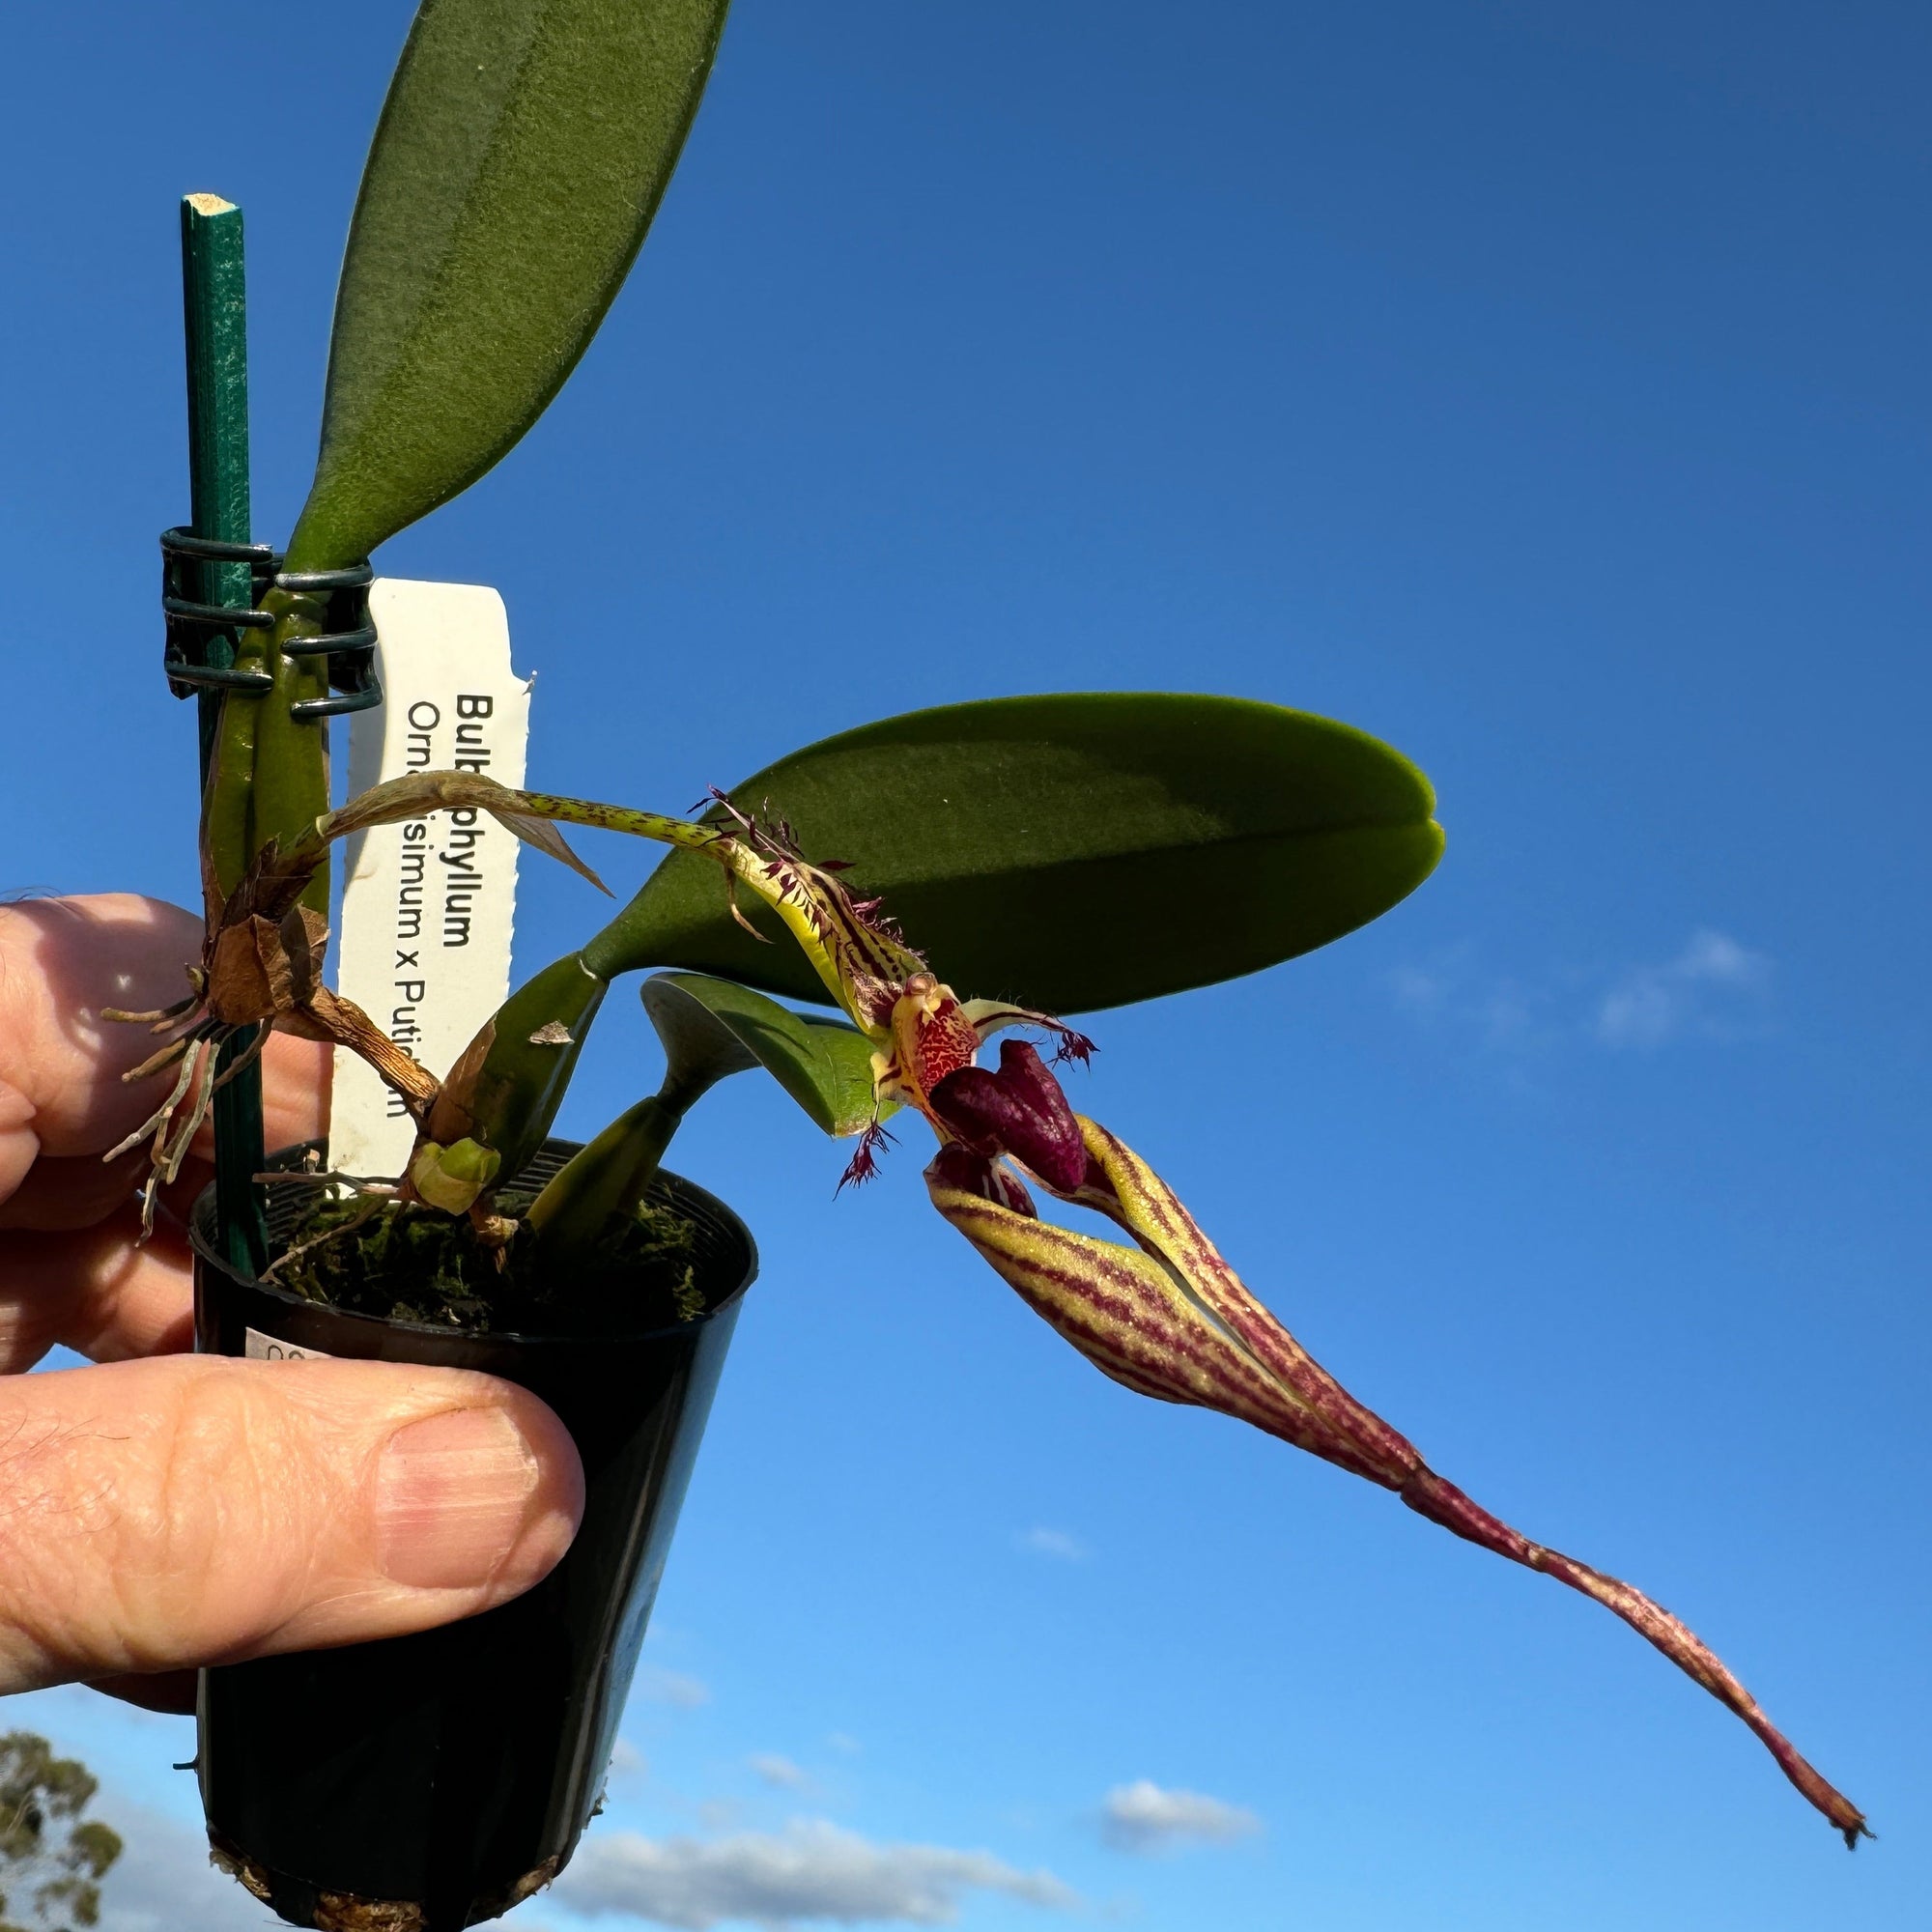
[{"x": 1019, "y": 1111}]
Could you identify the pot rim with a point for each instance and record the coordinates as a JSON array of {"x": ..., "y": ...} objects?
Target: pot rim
[{"x": 205, "y": 1252}]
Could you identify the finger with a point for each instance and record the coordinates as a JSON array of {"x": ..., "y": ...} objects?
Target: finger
[
  {"x": 61, "y": 1191},
  {"x": 101, "y": 1289},
  {"x": 95, "y": 1291},
  {"x": 156, "y": 1516},
  {"x": 76, "y": 1190},
  {"x": 61, "y": 961},
  {"x": 63, "y": 1101}
]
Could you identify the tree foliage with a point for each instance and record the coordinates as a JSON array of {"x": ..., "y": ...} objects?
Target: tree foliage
[{"x": 52, "y": 1859}]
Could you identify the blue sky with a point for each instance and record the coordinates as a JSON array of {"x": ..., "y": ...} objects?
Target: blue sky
[{"x": 1540, "y": 388}]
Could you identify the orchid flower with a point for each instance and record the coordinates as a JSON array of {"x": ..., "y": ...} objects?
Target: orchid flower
[{"x": 1167, "y": 1317}]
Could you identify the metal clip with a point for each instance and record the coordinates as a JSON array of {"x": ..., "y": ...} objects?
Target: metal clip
[{"x": 348, "y": 646}]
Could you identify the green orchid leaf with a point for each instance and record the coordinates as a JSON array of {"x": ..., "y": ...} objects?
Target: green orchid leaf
[
  {"x": 1070, "y": 852},
  {"x": 711, "y": 1028},
  {"x": 700, "y": 1049},
  {"x": 522, "y": 152}
]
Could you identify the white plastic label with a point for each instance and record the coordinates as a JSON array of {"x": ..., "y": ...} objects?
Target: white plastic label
[
  {"x": 261, "y": 1347},
  {"x": 428, "y": 905}
]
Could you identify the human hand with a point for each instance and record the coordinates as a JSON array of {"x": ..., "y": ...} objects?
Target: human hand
[{"x": 159, "y": 1510}]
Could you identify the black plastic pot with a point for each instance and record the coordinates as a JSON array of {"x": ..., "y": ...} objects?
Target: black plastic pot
[{"x": 428, "y": 1782}]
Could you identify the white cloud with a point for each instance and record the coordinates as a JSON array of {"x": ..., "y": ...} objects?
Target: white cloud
[
  {"x": 1453, "y": 990},
  {"x": 1698, "y": 989},
  {"x": 1712, "y": 987},
  {"x": 1418, "y": 990},
  {"x": 814, "y": 1872},
  {"x": 672, "y": 1687},
  {"x": 779, "y": 1770},
  {"x": 1510, "y": 1015},
  {"x": 1055, "y": 1543},
  {"x": 1146, "y": 1817},
  {"x": 626, "y": 1757},
  {"x": 845, "y": 1740}
]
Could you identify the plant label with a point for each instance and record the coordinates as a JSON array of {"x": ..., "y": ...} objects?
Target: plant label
[
  {"x": 427, "y": 905},
  {"x": 257, "y": 1346}
]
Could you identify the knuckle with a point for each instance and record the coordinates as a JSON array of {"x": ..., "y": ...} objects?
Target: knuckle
[
  {"x": 54, "y": 1506},
  {"x": 161, "y": 1524},
  {"x": 225, "y": 1540}
]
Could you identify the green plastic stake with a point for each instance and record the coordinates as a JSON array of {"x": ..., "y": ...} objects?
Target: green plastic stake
[{"x": 214, "y": 305}]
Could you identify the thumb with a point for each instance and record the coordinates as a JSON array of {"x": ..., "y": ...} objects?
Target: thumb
[{"x": 191, "y": 1509}]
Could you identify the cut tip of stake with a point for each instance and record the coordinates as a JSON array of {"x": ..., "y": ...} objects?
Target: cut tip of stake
[{"x": 209, "y": 204}]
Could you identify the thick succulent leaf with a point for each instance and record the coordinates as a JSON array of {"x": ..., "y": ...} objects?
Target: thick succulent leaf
[
  {"x": 711, "y": 1028},
  {"x": 1072, "y": 852},
  {"x": 522, "y": 152}
]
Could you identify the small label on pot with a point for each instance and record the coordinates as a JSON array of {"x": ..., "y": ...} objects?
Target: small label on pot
[
  {"x": 261, "y": 1347},
  {"x": 427, "y": 909}
]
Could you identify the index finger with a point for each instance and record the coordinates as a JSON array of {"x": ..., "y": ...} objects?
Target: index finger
[{"x": 62, "y": 1100}]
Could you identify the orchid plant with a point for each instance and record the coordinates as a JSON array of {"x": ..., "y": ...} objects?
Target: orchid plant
[{"x": 1019, "y": 840}]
